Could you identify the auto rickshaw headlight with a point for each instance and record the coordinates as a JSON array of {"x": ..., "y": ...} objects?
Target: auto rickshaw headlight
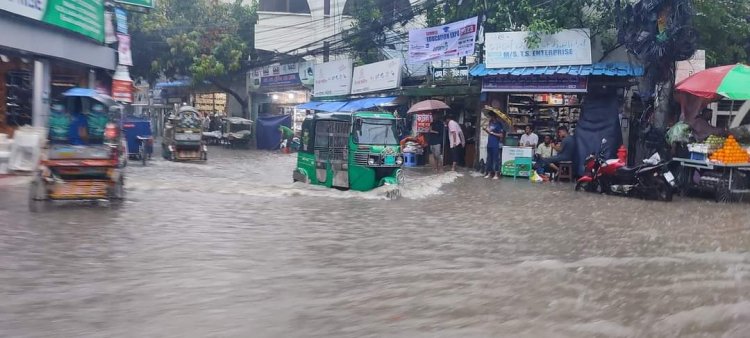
[
  {"x": 371, "y": 161},
  {"x": 399, "y": 160}
]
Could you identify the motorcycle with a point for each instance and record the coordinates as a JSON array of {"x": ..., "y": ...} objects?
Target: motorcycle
[{"x": 650, "y": 180}]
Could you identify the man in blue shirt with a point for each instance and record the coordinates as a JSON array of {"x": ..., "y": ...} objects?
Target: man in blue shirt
[
  {"x": 565, "y": 150},
  {"x": 494, "y": 143}
]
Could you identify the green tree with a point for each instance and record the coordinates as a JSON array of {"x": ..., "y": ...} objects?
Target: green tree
[
  {"x": 206, "y": 39},
  {"x": 537, "y": 16},
  {"x": 724, "y": 30}
]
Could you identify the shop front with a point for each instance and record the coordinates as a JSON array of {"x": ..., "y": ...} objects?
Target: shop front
[
  {"x": 278, "y": 90},
  {"x": 42, "y": 55}
]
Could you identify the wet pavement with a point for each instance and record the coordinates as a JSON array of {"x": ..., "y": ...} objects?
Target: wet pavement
[{"x": 231, "y": 248}]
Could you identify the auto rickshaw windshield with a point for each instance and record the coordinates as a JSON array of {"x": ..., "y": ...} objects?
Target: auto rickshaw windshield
[{"x": 376, "y": 131}]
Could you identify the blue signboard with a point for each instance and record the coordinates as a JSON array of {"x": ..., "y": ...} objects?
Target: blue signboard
[
  {"x": 535, "y": 84},
  {"x": 281, "y": 80}
]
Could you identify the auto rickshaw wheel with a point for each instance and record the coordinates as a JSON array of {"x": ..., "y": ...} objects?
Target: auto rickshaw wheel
[
  {"x": 116, "y": 192},
  {"x": 37, "y": 195}
]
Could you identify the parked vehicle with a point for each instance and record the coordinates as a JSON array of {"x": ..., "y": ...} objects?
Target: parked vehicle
[
  {"x": 183, "y": 140},
  {"x": 83, "y": 159},
  {"x": 139, "y": 138},
  {"x": 650, "y": 180},
  {"x": 358, "y": 151},
  {"x": 236, "y": 132}
]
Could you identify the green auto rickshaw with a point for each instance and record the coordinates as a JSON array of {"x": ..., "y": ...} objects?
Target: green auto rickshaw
[{"x": 358, "y": 151}]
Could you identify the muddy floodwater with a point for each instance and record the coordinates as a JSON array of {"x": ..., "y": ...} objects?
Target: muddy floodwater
[{"x": 232, "y": 248}]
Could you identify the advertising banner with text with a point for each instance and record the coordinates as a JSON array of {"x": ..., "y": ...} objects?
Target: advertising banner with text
[
  {"x": 453, "y": 40},
  {"x": 509, "y": 49},
  {"x": 333, "y": 78},
  {"x": 85, "y": 17},
  {"x": 377, "y": 76}
]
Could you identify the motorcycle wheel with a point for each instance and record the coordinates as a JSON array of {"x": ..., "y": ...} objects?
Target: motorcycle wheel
[
  {"x": 582, "y": 186},
  {"x": 664, "y": 190}
]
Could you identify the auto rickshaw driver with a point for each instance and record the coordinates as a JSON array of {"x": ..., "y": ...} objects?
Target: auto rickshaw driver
[{"x": 78, "y": 131}]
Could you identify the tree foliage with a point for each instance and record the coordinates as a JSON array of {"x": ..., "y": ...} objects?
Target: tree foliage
[
  {"x": 536, "y": 16},
  {"x": 724, "y": 30},
  {"x": 207, "y": 40}
]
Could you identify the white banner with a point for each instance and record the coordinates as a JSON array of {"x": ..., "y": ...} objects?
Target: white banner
[
  {"x": 453, "y": 40},
  {"x": 377, "y": 76},
  {"x": 333, "y": 78},
  {"x": 123, "y": 48},
  {"x": 566, "y": 48}
]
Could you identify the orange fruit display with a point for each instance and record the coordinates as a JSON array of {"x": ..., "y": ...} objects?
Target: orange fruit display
[{"x": 730, "y": 153}]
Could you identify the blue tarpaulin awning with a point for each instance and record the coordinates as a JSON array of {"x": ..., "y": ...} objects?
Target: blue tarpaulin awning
[
  {"x": 348, "y": 106},
  {"x": 367, "y": 103},
  {"x": 598, "y": 69}
]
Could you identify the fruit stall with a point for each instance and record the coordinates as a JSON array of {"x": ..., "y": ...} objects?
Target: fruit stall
[{"x": 719, "y": 165}]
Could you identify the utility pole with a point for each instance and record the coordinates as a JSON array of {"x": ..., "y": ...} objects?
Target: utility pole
[{"x": 326, "y": 51}]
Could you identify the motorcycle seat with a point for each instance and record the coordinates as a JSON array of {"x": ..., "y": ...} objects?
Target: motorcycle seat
[{"x": 627, "y": 170}]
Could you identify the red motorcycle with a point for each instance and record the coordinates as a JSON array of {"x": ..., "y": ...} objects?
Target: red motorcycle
[{"x": 651, "y": 180}]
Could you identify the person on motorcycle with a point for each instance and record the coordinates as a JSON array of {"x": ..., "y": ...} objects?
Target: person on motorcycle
[{"x": 565, "y": 150}]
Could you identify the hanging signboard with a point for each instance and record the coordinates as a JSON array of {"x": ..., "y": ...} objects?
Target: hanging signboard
[
  {"x": 453, "y": 40},
  {"x": 140, "y": 97},
  {"x": 687, "y": 68},
  {"x": 125, "y": 57},
  {"x": 281, "y": 76},
  {"x": 333, "y": 78},
  {"x": 139, "y": 3},
  {"x": 109, "y": 28},
  {"x": 509, "y": 49},
  {"x": 377, "y": 76},
  {"x": 423, "y": 123},
  {"x": 85, "y": 17},
  {"x": 122, "y": 20},
  {"x": 535, "y": 84}
]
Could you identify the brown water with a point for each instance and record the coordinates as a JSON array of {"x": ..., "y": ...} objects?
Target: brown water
[{"x": 232, "y": 249}]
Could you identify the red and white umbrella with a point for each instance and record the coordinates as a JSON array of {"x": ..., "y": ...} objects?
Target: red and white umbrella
[{"x": 428, "y": 105}]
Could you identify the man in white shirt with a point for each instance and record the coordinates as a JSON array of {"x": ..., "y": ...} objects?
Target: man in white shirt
[
  {"x": 529, "y": 139},
  {"x": 546, "y": 149},
  {"x": 455, "y": 139}
]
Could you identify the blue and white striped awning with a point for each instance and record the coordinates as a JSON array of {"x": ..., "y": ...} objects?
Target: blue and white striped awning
[
  {"x": 598, "y": 69},
  {"x": 348, "y": 106}
]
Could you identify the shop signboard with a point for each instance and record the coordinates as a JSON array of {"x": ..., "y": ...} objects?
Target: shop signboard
[
  {"x": 458, "y": 74},
  {"x": 85, "y": 17},
  {"x": 377, "y": 76},
  {"x": 122, "y": 20},
  {"x": 141, "y": 94},
  {"x": 139, "y": 3},
  {"x": 566, "y": 48},
  {"x": 687, "y": 68},
  {"x": 535, "y": 84},
  {"x": 453, "y": 40},
  {"x": 280, "y": 76},
  {"x": 423, "y": 123},
  {"x": 333, "y": 78},
  {"x": 509, "y": 156},
  {"x": 125, "y": 57}
]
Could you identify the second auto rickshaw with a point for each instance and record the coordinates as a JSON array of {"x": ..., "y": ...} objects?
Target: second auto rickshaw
[{"x": 183, "y": 140}]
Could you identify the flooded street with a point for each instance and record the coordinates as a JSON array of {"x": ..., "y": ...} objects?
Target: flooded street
[{"x": 231, "y": 248}]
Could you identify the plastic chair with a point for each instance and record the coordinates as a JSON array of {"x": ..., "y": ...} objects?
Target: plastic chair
[{"x": 521, "y": 164}]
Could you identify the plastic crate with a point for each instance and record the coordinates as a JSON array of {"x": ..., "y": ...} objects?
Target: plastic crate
[{"x": 698, "y": 156}]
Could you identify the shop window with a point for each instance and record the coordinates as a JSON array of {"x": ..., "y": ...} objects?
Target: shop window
[
  {"x": 18, "y": 94},
  {"x": 285, "y": 6}
]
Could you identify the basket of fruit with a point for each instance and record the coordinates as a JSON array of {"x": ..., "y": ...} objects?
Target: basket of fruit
[{"x": 714, "y": 143}]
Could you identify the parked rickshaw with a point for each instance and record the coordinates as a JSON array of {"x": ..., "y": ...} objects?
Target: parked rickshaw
[
  {"x": 358, "y": 151},
  {"x": 236, "y": 132},
  {"x": 139, "y": 137},
  {"x": 183, "y": 140},
  {"x": 83, "y": 156}
]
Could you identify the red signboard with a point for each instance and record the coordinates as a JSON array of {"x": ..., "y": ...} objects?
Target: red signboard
[{"x": 423, "y": 122}]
